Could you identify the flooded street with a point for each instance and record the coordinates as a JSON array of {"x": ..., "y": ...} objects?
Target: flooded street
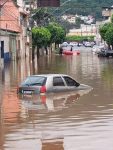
[{"x": 82, "y": 120}]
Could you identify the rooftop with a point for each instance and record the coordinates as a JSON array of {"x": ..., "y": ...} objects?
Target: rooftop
[{"x": 9, "y": 19}]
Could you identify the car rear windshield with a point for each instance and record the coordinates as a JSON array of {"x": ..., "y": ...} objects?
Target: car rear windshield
[{"x": 34, "y": 81}]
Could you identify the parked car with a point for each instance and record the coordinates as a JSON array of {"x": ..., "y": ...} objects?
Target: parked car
[
  {"x": 47, "y": 83},
  {"x": 96, "y": 49},
  {"x": 105, "y": 53},
  {"x": 87, "y": 44},
  {"x": 64, "y": 44},
  {"x": 73, "y": 43}
]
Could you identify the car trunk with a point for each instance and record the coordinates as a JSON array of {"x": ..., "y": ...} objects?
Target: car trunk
[{"x": 30, "y": 89}]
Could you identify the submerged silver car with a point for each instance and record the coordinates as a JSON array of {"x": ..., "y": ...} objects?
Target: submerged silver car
[{"x": 47, "y": 83}]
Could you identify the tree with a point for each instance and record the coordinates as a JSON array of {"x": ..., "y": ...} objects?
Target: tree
[
  {"x": 42, "y": 17},
  {"x": 60, "y": 35},
  {"x": 112, "y": 19},
  {"x": 106, "y": 33},
  {"x": 64, "y": 23},
  {"x": 57, "y": 33},
  {"x": 41, "y": 36},
  {"x": 78, "y": 22},
  {"x": 103, "y": 29},
  {"x": 109, "y": 36}
]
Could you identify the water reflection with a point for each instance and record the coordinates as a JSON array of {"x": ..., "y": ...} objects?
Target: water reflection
[
  {"x": 51, "y": 102},
  {"x": 63, "y": 121}
]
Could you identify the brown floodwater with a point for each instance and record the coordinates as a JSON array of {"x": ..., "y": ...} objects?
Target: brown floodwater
[{"x": 82, "y": 120}]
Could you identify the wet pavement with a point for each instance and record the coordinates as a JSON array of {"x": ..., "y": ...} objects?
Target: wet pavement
[{"x": 82, "y": 120}]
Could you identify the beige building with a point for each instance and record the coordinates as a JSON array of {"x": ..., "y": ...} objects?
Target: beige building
[
  {"x": 85, "y": 30},
  {"x": 107, "y": 12}
]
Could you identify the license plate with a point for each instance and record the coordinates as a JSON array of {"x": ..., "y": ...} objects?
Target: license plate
[{"x": 28, "y": 92}]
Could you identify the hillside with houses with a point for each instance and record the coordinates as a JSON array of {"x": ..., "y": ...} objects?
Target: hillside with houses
[{"x": 85, "y": 7}]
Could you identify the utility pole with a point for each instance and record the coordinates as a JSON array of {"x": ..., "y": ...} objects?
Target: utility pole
[
  {"x": 0, "y": 36},
  {"x": 31, "y": 7}
]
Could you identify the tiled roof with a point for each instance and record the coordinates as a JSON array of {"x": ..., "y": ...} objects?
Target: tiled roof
[{"x": 9, "y": 19}]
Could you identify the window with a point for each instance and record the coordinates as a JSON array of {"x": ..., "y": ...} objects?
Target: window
[
  {"x": 34, "y": 81},
  {"x": 57, "y": 81},
  {"x": 71, "y": 82}
]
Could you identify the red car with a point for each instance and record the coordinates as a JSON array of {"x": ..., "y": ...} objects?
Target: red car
[{"x": 68, "y": 52}]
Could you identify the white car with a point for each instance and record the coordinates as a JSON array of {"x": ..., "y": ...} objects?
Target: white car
[
  {"x": 87, "y": 44},
  {"x": 73, "y": 43},
  {"x": 96, "y": 49},
  {"x": 64, "y": 44}
]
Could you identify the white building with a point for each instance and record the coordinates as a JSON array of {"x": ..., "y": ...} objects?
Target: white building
[
  {"x": 85, "y": 30},
  {"x": 69, "y": 18}
]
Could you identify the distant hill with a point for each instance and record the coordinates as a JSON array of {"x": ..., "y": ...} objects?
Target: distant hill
[{"x": 84, "y": 7}]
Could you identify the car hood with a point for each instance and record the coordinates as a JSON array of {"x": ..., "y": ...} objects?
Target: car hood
[{"x": 84, "y": 87}]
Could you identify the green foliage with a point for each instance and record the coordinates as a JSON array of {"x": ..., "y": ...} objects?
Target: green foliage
[
  {"x": 41, "y": 36},
  {"x": 86, "y": 7},
  {"x": 42, "y": 16},
  {"x": 79, "y": 38},
  {"x": 109, "y": 36},
  {"x": 103, "y": 29},
  {"x": 112, "y": 19},
  {"x": 106, "y": 32},
  {"x": 57, "y": 33},
  {"x": 78, "y": 22},
  {"x": 60, "y": 35}
]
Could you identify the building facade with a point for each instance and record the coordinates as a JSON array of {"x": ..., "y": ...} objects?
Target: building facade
[
  {"x": 84, "y": 30},
  {"x": 14, "y": 40},
  {"x": 107, "y": 12}
]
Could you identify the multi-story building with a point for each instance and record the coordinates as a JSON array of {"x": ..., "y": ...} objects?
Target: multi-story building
[
  {"x": 84, "y": 30},
  {"x": 9, "y": 29},
  {"x": 14, "y": 41},
  {"x": 24, "y": 42},
  {"x": 30, "y": 4},
  {"x": 107, "y": 12}
]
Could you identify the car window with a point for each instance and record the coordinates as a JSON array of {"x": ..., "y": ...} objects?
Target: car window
[
  {"x": 57, "y": 81},
  {"x": 35, "y": 81},
  {"x": 70, "y": 81}
]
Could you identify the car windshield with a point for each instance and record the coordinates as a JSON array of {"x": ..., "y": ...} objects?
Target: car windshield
[{"x": 34, "y": 81}]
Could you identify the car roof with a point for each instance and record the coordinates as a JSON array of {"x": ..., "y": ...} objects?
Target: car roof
[{"x": 48, "y": 75}]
